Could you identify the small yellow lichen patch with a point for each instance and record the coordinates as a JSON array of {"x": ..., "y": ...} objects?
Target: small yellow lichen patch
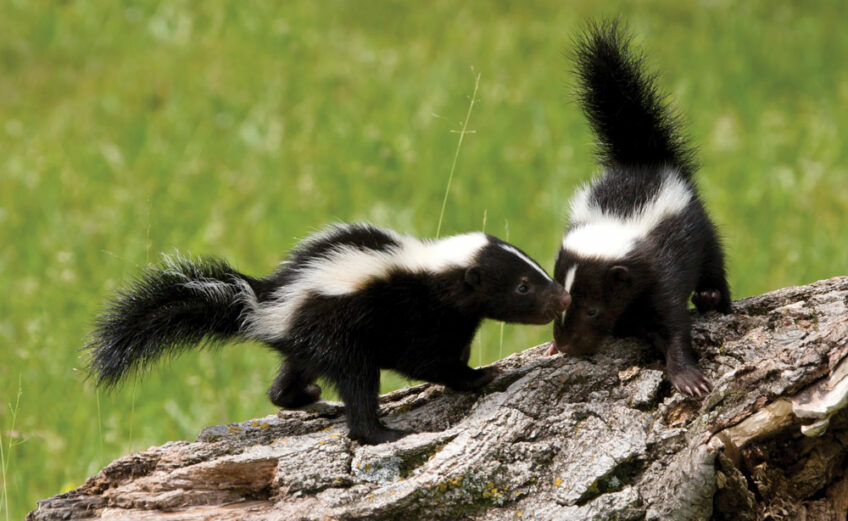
[
  {"x": 558, "y": 482},
  {"x": 264, "y": 426},
  {"x": 254, "y": 424}
]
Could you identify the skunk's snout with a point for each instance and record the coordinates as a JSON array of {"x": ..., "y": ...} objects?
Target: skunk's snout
[
  {"x": 573, "y": 349},
  {"x": 564, "y": 299},
  {"x": 560, "y": 299},
  {"x": 570, "y": 344},
  {"x": 574, "y": 340},
  {"x": 548, "y": 304}
]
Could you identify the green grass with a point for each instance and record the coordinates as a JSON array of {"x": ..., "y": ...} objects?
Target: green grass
[{"x": 130, "y": 129}]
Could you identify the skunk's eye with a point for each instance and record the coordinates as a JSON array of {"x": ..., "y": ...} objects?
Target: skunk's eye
[
  {"x": 523, "y": 288},
  {"x": 592, "y": 312}
]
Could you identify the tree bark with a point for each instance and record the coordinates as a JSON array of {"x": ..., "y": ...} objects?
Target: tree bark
[{"x": 600, "y": 437}]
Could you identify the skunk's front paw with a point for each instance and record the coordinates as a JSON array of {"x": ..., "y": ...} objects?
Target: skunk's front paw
[
  {"x": 689, "y": 380},
  {"x": 484, "y": 377},
  {"x": 295, "y": 398},
  {"x": 380, "y": 435},
  {"x": 711, "y": 300},
  {"x": 706, "y": 299},
  {"x": 473, "y": 379}
]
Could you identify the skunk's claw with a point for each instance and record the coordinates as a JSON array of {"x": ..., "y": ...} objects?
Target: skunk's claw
[{"x": 690, "y": 381}]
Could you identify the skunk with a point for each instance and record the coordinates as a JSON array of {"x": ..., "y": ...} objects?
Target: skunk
[
  {"x": 639, "y": 241},
  {"x": 349, "y": 301}
]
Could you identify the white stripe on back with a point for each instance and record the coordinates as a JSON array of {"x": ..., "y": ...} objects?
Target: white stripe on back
[
  {"x": 347, "y": 269},
  {"x": 595, "y": 233}
]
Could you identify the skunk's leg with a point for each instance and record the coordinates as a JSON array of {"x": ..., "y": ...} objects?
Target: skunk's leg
[
  {"x": 674, "y": 339},
  {"x": 711, "y": 291},
  {"x": 465, "y": 354},
  {"x": 454, "y": 374},
  {"x": 359, "y": 384},
  {"x": 294, "y": 385}
]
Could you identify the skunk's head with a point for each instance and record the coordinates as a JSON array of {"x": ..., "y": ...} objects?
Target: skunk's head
[
  {"x": 600, "y": 291},
  {"x": 510, "y": 286}
]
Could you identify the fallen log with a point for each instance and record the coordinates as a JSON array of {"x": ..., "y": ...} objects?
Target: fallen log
[{"x": 601, "y": 437}]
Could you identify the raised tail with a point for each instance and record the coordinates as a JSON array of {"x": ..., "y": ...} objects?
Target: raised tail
[
  {"x": 181, "y": 304},
  {"x": 634, "y": 125}
]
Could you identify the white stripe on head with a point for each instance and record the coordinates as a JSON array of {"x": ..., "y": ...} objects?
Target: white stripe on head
[
  {"x": 569, "y": 281},
  {"x": 596, "y": 233},
  {"x": 526, "y": 259},
  {"x": 346, "y": 269},
  {"x": 569, "y": 277}
]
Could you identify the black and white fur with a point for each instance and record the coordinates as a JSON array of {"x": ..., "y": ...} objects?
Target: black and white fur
[
  {"x": 349, "y": 301},
  {"x": 639, "y": 241}
]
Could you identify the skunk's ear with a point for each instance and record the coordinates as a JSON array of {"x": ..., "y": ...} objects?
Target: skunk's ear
[
  {"x": 473, "y": 276},
  {"x": 620, "y": 275}
]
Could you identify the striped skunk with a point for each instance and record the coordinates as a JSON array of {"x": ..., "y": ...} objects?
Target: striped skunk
[
  {"x": 349, "y": 301},
  {"x": 639, "y": 241}
]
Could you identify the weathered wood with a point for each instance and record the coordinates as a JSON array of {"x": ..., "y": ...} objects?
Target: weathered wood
[{"x": 578, "y": 438}]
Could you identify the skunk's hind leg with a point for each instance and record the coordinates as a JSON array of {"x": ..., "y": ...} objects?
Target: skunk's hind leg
[
  {"x": 294, "y": 385},
  {"x": 711, "y": 291},
  {"x": 358, "y": 383}
]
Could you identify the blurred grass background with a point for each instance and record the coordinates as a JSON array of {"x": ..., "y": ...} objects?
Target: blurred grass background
[{"x": 130, "y": 129}]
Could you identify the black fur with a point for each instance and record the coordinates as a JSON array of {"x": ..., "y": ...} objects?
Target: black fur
[
  {"x": 158, "y": 314},
  {"x": 645, "y": 293},
  {"x": 621, "y": 102},
  {"x": 418, "y": 323}
]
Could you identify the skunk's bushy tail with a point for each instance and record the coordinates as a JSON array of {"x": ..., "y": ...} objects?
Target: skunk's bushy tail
[
  {"x": 166, "y": 309},
  {"x": 631, "y": 119}
]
